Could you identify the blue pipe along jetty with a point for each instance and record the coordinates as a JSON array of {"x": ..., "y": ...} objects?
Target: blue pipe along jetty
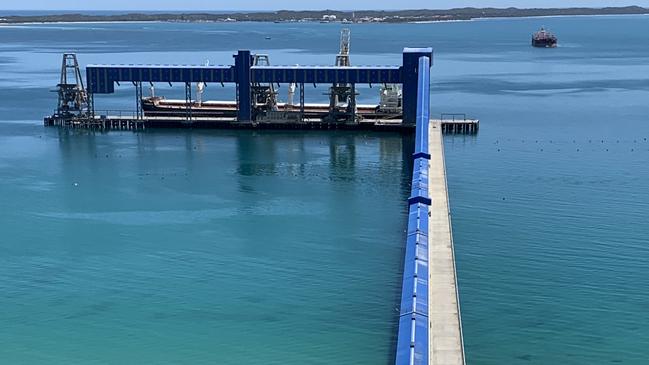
[{"x": 429, "y": 330}]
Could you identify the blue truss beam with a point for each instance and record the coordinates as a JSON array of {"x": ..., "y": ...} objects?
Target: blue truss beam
[
  {"x": 101, "y": 79},
  {"x": 327, "y": 75}
]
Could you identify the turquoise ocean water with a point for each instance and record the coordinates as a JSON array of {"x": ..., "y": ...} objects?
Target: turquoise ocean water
[{"x": 286, "y": 247}]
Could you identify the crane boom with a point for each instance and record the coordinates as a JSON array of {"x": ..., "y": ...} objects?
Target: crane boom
[{"x": 342, "y": 59}]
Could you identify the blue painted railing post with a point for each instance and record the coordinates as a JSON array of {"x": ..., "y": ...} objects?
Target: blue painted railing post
[
  {"x": 242, "y": 65},
  {"x": 409, "y": 77},
  {"x": 412, "y": 339}
]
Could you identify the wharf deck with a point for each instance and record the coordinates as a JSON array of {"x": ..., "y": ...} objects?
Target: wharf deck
[
  {"x": 445, "y": 329},
  {"x": 458, "y": 126},
  {"x": 128, "y": 122}
]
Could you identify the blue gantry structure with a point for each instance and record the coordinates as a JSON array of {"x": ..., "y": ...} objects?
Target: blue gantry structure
[{"x": 101, "y": 79}]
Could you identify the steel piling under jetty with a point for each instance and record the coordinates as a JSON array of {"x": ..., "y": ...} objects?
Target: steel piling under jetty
[
  {"x": 128, "y": 121},
  {"x": 430, "y": 330}
]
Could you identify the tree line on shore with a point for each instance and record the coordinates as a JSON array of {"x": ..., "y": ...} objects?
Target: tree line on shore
[{"x": 393, "y": 16}]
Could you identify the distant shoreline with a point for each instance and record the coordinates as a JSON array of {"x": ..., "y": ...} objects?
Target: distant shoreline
[
  {"x": 525, "y": 17},
  {"x": 4, "y": 24},
  {"x": 325, "y": 16},
  {"x": 413, "y": 22},
  {"x": 560, "y": 16},
  {"x": 86, "y": 22}
]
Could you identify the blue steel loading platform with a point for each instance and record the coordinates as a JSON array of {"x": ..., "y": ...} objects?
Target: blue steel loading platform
[
  {"x": 101, "y": 79},
  {"x": 429, "y": 330}
]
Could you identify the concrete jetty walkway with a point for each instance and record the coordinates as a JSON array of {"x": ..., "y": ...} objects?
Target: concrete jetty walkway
[{"x": 445, "y": 332}]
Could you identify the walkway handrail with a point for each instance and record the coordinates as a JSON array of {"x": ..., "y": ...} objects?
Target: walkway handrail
[
  {"x": 115, "y": 113},
  {"x": 453, "y": 115},
  {"x": 457, "y": 292},
  {"x": 412, "y": 338}
]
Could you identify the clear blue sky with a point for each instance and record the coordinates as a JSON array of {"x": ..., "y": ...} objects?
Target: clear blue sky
[{"x": 295, "y": 5}]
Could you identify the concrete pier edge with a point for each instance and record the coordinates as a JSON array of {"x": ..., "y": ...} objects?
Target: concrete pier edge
[{"x": 446, "y": 339}]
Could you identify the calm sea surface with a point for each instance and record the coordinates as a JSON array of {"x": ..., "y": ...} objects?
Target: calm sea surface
[{"x": 232, "y": 247}]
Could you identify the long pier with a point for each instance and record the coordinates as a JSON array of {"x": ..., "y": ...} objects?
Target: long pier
[
  {"x": 430, "y": 329},
  {"x": 446, "y": 343}
]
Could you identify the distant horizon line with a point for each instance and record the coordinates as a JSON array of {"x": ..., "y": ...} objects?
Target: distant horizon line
[{"x": 325, "y": 9}]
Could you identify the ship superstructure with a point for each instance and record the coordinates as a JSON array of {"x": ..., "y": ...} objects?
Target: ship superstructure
[{"x": 544, "y": 39}]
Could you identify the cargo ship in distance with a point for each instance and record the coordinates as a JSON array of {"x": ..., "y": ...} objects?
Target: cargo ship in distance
[{"x": 544, "y": 39}]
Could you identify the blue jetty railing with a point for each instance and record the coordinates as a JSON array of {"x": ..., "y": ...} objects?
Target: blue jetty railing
[{"x": 413, "y": 336}]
